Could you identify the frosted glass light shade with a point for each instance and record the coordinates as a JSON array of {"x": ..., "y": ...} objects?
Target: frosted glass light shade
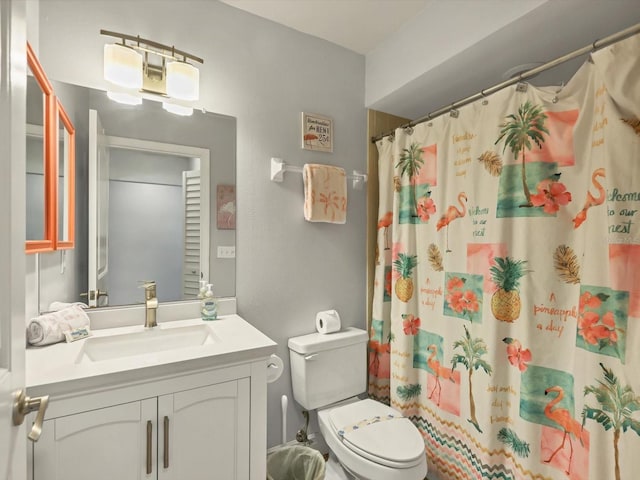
[
  {"x": 123, "y": 66},
  {"x": 125, "y": 98},
  {"x": 183, "y": 81},
  {"x": 177, "y": 109}
]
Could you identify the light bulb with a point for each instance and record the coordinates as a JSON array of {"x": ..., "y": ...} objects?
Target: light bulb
[
  {"x": 183, "y": 81},
  {"x": 123, "y": 66}
]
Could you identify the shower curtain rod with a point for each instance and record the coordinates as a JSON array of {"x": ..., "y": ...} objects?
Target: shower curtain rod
[{"x": 627, "y": 32}]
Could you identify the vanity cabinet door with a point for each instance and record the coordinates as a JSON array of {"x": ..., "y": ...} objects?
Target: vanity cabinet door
[
  {"x": 206, "y": 431},
  {"x": 104, "y": 444}
]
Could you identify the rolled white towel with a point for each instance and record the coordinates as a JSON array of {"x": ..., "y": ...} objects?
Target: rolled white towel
[
  {"x": 55, "y": 306},
  {"x": 51, "y": 327}
]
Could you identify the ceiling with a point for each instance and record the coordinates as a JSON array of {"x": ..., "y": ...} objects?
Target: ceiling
[
  {"x": 488, "y": 47},
  {"x": 358, "y": 25}
]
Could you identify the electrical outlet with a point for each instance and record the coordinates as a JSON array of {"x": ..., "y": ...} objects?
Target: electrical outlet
[{"x": 227, "y": 252}]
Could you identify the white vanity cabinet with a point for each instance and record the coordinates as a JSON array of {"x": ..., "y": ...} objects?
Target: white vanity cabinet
[
  {"x": 201, "y": 433},
  {"x": 183, "y": 413}
]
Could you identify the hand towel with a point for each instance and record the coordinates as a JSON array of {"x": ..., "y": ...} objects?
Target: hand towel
[
  {"x": 325, "y": 193},
  {"x": 51, "y": 327}
]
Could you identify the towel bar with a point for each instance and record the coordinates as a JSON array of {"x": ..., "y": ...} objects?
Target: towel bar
[{"x": 278, "y": 167}]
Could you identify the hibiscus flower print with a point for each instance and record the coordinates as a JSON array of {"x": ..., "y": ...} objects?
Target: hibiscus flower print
[
  {"x": 588, "y": 300},
  {"x": 460, "y": 300},
  {"x": 594, "y": 328},
  {"x": 426, "y": 207},
  {"x": 455, "y": 283},
  {"x": 551, "y": 195},
  {"x": 410, "y": 324},
  {"x": 517, "y": 356}
]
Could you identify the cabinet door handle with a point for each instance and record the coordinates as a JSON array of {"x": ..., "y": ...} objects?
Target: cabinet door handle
[
  {"x": 166, "y": 442},
  {"x": 149, "y": 440}
]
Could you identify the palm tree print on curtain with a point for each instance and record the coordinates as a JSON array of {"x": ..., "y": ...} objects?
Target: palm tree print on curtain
[
  {"x": 522, "y": 132},
  {"x": 617, "y": 411},
  {"x": 416, "y": 201},
  {"x": 518, "y": 131},
  {"x": 473, "y": 351}
]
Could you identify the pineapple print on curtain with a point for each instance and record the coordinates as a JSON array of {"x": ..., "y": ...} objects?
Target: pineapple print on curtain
[{"x": 507, "y": 286}]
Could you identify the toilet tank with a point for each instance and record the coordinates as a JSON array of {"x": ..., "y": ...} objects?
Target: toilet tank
[{"x": 327, "y": 368}]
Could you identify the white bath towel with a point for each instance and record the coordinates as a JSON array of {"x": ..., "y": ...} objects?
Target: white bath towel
[
  {"x": 55, "y": 306},
  {"x": 51, "y": 327}
]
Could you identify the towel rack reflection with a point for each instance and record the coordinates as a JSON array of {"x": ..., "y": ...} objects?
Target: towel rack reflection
[{"x": 278, "y": 167}]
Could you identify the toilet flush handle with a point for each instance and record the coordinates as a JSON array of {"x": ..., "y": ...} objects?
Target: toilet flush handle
[{"x": 311, "y": 357}]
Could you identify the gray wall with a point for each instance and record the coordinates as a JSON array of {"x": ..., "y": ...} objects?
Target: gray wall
[
  {"x": 144, "y": 220},
  {"x": 146, "y": 225},
  {"x": 265, "y": 75}
]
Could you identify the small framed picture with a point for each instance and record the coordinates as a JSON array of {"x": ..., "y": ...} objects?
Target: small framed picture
[
  {"x": 317, "y": 132},
  {"x": 226, "y": 207}
]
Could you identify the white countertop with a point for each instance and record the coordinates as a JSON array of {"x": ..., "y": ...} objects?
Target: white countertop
[{"x": 57, "y": 367}]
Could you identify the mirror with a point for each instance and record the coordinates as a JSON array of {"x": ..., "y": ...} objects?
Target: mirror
[
  {"x": 146, "y": 214},
  {"x": 40, "y": 155}
]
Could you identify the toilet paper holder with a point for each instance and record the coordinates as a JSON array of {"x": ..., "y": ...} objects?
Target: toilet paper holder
[{"x": 275, "y": 366}]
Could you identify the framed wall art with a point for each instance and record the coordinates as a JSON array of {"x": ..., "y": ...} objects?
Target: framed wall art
[
  {"x": 317, "y": 132},
  {"x": 226, "y": 207}
]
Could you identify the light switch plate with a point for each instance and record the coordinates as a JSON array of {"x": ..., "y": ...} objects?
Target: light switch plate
[{"x": 226, "y": 252}]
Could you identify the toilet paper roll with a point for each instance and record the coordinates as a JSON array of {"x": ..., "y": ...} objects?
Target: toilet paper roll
[
  {"x": 274, "y": 368},
  {"x": 327, "y": 321}
]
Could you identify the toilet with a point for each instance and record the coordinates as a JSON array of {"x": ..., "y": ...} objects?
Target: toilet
[{"x": 370, "y": 440}]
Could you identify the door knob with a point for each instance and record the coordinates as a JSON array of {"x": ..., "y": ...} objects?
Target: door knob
[{"x": 23, "y": 405}]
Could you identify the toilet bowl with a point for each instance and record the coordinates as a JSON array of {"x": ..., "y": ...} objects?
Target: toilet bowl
[
  {"x": 386, "y": 446},
  {"x": 370, "y": 440}
]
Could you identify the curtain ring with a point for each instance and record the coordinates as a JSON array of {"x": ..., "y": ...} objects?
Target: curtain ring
[
  {"x": 484, "y": 97},
  {"x": 408, "y": 130}
]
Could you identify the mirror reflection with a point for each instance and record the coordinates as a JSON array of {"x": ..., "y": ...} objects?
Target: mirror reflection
[
  {"x": 146, "y": 183},
  {"x": 35, "y": 161}
]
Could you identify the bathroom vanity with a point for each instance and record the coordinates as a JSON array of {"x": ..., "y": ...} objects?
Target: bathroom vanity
[{"x": 186, "y": 400}]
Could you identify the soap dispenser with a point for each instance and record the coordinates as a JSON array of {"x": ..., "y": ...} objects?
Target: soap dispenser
[
  {"x": 203, "y": 289},
  {"x": 209, "y": 307}
]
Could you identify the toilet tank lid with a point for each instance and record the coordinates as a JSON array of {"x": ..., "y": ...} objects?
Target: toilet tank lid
[{"x": 318, "y": 342}]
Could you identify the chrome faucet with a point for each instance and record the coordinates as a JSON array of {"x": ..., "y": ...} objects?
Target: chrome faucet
[{"x": 150, "y": 304}]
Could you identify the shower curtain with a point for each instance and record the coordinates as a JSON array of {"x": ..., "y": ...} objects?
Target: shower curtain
[{"x": 506, "y": 306}]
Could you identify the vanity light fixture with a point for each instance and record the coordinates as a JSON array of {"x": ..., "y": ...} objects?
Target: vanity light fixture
[{"x": 138, "y": 68}]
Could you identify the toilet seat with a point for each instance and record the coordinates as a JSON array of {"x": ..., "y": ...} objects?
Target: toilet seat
[{"x": 378, "y": 433}]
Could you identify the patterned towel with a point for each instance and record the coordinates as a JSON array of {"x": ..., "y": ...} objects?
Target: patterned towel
[
  {"x": 325, "y": 193},
  {"x": 50, "y": 327}
]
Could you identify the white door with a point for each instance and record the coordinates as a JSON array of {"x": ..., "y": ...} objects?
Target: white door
[
  {"x": 204, "y": 433},
  {"x": 13, "y": 57},
  {"x": 97, "y": 294}
]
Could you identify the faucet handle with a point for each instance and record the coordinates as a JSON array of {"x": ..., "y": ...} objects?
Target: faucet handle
[{"x": 149, "y": 288}]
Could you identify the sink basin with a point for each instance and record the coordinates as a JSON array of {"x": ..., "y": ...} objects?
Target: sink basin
[{"x": 97, "y": 349}]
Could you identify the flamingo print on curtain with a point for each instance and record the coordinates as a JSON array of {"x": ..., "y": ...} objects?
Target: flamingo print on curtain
[{"x": 506, "y": 307}]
